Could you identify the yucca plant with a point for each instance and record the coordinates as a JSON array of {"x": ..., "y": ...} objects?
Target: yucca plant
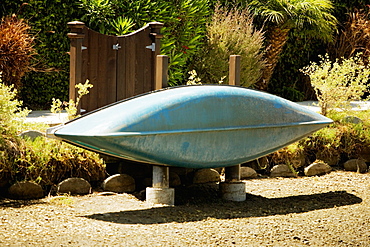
[{"x": 279, "y": 17}]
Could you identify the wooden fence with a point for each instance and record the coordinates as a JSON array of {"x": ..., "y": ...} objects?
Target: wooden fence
[{"x": 118, "y": 67}]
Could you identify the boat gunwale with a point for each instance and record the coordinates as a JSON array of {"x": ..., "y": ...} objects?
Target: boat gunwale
[{"x": 181, "y": 131}]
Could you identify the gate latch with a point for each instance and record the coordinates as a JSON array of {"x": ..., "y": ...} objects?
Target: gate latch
[
  {"x": 151, "y": 47},
  {"x": 116, "y": 46}
]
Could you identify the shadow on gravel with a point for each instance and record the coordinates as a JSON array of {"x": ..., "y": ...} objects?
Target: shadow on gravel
[
  {"x": 7, "y": 203},
  {"x": 255, "y": 206}
]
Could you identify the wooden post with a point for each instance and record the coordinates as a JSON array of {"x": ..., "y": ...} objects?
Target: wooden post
[
  {"x": 156, "y": 35},
  {"x": 233, "y": 189},
  {"x": 161, "y": 75},
  {"x": 234, "y": 70},
  {"x": 76, "y": 37}
]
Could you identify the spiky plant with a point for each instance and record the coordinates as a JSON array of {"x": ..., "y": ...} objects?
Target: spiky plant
[
  {"x": 312, "y": 17},
  {"x": 16, "y": 49},
  {"x": 354, "y": 37}
]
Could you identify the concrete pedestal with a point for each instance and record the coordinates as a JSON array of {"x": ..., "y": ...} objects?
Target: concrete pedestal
[
  {"x": 164, "y": 196},
  {"x": 160, "y": 192},
  {"x": 233, "y": 191}
]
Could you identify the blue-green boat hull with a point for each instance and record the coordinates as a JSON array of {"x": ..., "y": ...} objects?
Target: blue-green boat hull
[{"x": 204, "y": 126}]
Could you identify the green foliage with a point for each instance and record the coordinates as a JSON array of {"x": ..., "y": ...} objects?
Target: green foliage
[
  {"x": 48, "y": 20},
  {"x": 337, "y": 83},
  {"x": 45, "y": 161},
  {"x": 12, "y": 114},
  {"x": 231, "y": 32},
  {"x": 184, "y": 25},
  {"x": 311, "y": 16},
  {"x": 71, "y": 106}
]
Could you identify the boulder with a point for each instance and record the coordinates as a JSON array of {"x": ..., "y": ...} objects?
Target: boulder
[
  {"x": 317, "y": 168},
  {"x": 203, "y": 176},
  {"x": 175, "y": 179},
  {"x": 74, "y": 186},
  {"x": 26, "y": 190},
  {"x": 282, "y": 171},
  {"x": 356, "y": 165},
  {"x": 352, "y": 119},
  {"x": 247, "y": 172},
  {"x": 32, "y": 134},
  {"x": 119, "y": 183}
]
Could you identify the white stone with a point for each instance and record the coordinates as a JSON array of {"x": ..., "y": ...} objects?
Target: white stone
[
  {"x": 282, "y": 171},
  {"x": 318, "y": 168},
  {"x": 26, "y": 190},
  {"x": 247, "y": 172},
  {"x": 356, "y": 165},
  {"x": 203, "y": 176},
  {"x": 74, "y": 186},
  {"x": 119, "y": 183}
]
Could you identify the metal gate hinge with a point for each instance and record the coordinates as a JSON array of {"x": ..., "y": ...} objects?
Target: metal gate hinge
[
  {"x": 116, "y": 46},
  {"x": 152, "y": 47}
]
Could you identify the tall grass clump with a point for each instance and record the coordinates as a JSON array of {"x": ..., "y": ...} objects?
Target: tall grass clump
[
  {"x": 231, "y": 32},
  {"x": 16, "y": 49}
]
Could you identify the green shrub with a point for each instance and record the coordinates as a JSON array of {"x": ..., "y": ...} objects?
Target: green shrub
[
  {"x": 46, "y": 161},
  {"x": 184, "y": 26},
  {"x": 339, "y": 82},
  {"x": 231, "y": 32}
]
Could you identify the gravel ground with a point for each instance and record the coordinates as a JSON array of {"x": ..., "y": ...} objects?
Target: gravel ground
[{"x": 330, "y": 210}]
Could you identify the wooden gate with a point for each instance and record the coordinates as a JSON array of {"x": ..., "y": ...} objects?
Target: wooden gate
[{"x": 118, "y": 67}]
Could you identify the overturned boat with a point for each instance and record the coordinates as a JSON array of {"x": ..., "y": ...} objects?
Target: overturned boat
[{"x": 202, "y": 126}]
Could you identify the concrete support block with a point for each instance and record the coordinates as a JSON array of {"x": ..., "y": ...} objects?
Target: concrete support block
[
  {"x": 233, "y": 191},
  {"x": 160, "y": 193},
  {"x": 164, "y": 196}
]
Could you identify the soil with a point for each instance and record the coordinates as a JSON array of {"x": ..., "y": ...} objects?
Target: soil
[{"x": 330, "y": 210}]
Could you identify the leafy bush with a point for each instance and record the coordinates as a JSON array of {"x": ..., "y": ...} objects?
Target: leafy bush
[
  {"x": 337, "y": 83},
  {"x": 45, "y": 161},
  {"x": 16, "y": 49},
  {"x": 231, "y": 32}
]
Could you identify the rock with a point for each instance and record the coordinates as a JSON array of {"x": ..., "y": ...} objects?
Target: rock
[
  {"x": 26, "y": 190},
  {"x": 282, "y": 171},
  {"x": 351, "y": 119},
  {"x": 203, "y": 176},
  {"x": 247, "y": 172},
  {"x": 5, "y": 180},
  {"x": 32, "y": 134},
  {"x": 355, "y": 165},
  {"x": 365, "y": 154},
  {"x": 175, "y": 179},
  {"x": 317, "y": 168},
  {"x": 74, "y": 186},
  {"x": 119, "y": 183}
]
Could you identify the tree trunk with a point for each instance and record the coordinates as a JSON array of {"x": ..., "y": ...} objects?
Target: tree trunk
[{"x": 276, "y": 41}]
